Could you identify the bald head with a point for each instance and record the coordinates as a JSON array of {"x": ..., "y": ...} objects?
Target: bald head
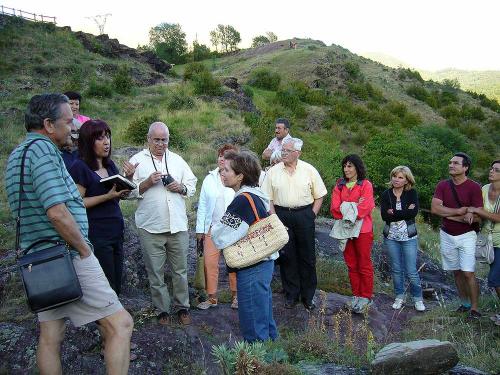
[{"x": 158, "y": 126}]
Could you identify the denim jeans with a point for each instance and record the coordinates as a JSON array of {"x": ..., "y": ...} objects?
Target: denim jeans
[
  {"x": 255, "y": 302},
  {"x": 403, "y": 256}
]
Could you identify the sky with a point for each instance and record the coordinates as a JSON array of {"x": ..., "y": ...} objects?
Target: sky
[{"x": 426, "y": 34}]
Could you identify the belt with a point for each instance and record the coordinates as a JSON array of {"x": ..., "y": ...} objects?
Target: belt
[{"x": 293, "y": 208}]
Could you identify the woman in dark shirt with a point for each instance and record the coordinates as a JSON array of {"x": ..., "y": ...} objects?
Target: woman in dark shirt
[
  {"x": 399, "y": 207},
  {"x": 103, "y": 209}
]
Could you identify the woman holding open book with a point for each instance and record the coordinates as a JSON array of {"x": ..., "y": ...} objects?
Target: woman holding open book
[{"x": 102, "y": 203}]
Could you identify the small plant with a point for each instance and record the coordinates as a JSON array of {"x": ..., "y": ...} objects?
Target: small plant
[
  {"x": 122, "y": 81},
  {"x": 137, "y": 129},
  {"x": 243, "y": 358},
  {"x": 205, "y": 84},
  {"x": 353, "y": 70},
  {"x": 265, "y": 79},
  {"x": 192, "y": 69},
  {"x": 247, "y": 90},
  {"x": 180, "y": 99},
  {"x": 99, "y": 89}
]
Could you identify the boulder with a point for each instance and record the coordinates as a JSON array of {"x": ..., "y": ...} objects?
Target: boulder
[
  {"x": 464, "y": 370},
  {"x": 231, "y": 82},
  {"x": 415, "y": 357}
]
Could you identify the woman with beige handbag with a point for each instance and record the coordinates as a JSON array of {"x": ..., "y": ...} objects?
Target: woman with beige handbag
[
  {"x": 255, "y": 310},
  {"x": 491, "y": 215}
]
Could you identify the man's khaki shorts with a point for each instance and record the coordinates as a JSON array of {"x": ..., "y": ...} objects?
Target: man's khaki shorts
[{"x": 98, "y": 300}]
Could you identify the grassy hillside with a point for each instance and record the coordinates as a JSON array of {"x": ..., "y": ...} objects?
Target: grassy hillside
[
  {"x": 338, "y": 103},
  {"x": 481, "y": 81}
]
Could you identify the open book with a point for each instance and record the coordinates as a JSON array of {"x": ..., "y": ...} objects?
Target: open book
[{"x": 121, "y": 182}]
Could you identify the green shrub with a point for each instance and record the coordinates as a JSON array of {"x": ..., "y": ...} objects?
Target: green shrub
[
  {"x": 193, "y": 69},
  {"x": 451, "y": 83},
  {"x": 411, "y": 120},
  {"x": 404, "y": 73},
  {"x": 472, "y": 113},
  {"x": 397, "y": 108},
  {"x": 447, "y": 97},
  {"x": 101, "y": 89},
  {"x": 450, "y": 111},
  {"x": 205, "y": 84},
  {"x": 418, "y": 92},
  {"x": 289, "y": 98},
  {"x": 470, "y": 129},
  {"x": 265, "y": 79},
  {"x": 316, "y": 97},
  {"x": 365, "y": 91},
  {"x": 247, "y": 90},
  {"x": 122, "y": 81},
  {"x": 451, "y": 140},
  {"x": 137, "y": 129},
  {"x": 352, "y": 69},
  {"x": 425, "y": 156},
  {"x": 180, "y": 99},
  {"x": 485, "y": 101}
]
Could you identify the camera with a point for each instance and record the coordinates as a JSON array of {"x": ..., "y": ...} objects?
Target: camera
[{"x": 167, "y": 179}]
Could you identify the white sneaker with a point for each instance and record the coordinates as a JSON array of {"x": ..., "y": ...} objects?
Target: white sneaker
[
  {"x": 234, "y": 304},
  {"x": 354, "y": 302},
  {"x": 419, "y": 306},
  {"x": 398, "y": 303},
  {"x": 362, "y": 306},
  {"x": 211, "y": 302}
]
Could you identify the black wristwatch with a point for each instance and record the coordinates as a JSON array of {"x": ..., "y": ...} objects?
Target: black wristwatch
[{"x": 184, "y": 190}]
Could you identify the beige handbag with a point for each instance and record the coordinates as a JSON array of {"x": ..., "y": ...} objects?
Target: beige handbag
[{"x": 264, "y": 237}]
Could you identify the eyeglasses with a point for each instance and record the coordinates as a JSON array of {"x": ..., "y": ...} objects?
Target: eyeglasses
[
  {"x": 496, "y": 170},
  {"x": 284, "y": 151},
  {"x": 160, "y": 141}
]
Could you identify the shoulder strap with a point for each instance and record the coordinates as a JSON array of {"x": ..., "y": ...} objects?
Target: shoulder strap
[
  {"x": 252, "y": 204},
  {"x": 21, "y": 190},
  {"x": 454, "y": 191}
]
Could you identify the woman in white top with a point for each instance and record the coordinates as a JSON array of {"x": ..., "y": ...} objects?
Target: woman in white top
[
  {"x": 214, "y": 199},
  {"x": 491, "y": 217}
]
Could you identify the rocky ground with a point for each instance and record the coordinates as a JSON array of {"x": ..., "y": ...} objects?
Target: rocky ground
[{"x": 187, "y": 350}]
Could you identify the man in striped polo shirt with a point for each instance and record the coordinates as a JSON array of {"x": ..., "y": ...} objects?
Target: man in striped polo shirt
[{"x": 52, "y": 208}]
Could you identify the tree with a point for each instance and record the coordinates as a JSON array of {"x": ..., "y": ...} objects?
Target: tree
[
  {"x": 259, "y": 41},
  {"x": 169, "y": 42},
  {"x": 232, "y": 37},
  {"x": 271, "y": 36},
  {"x": 226, "y": 36},
  {"x": 200, "y": 51}
]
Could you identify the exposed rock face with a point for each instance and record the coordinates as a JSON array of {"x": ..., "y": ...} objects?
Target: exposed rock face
[
  {"x": 415, "y": 357},
  {"x": 112, "y": 48}
]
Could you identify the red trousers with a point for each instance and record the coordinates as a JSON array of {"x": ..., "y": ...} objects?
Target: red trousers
[{"x": 357, "y": 256}]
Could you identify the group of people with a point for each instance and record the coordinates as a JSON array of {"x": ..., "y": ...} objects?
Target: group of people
[{"x": 64, "y": 199}]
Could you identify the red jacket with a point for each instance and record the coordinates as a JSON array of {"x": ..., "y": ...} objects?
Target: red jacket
[{"x": 362, "y": 189}]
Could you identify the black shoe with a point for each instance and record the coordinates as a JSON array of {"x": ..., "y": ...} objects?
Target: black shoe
[
  {"x": 290, "y": 303},
  {"x": 310, "y": 306},
  {"x": 462, "y": 309},
  {"x": 474, "y": 315}
]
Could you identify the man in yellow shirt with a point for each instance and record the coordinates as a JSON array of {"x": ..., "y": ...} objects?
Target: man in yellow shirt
[{"x": 296, "y": 191}]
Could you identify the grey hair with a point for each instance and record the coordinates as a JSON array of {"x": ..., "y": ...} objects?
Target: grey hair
[
  {"x": 41, "y": 107},
  {"x": 158, "y": 124},
  {"x": 276, "y": 155},
  {"x": 297, "y": 143}
]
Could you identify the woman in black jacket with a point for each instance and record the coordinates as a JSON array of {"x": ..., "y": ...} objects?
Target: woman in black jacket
[{"x": 399, "y": 207}]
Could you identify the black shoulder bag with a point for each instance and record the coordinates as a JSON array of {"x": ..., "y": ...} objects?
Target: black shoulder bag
[{"x": 48, "y": 275}]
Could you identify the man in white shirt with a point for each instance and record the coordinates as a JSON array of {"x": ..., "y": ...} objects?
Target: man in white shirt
[
  {"x": 282, "y": 132},
  {"x": 164, "y": 181}
]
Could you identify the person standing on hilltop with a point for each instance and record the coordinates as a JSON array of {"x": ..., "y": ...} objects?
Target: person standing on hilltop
[
  {"x": 458, "y": 236},
  {"x": 282, "y": 132},
  {"x": 296, "y": 191},
  {"x": 75, "y": 99}
]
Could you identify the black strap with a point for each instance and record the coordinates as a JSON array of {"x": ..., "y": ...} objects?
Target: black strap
[
  {"x": 21, "y": 191},
  {"x": 454, "y": 191},
  {"x": 154, "y": 165}
]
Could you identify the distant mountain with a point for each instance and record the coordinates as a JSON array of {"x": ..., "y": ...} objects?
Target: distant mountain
[{"x": 481, "y": 81}]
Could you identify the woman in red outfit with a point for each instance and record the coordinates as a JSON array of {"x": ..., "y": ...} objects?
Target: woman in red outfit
[{"x": 354, "y": 187}]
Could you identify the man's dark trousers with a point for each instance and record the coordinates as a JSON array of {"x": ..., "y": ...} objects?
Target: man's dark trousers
[{"x": 298, "y": 258}]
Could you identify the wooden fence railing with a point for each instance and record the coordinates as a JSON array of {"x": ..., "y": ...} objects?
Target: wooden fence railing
[{"x": 26, "y": 15}]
